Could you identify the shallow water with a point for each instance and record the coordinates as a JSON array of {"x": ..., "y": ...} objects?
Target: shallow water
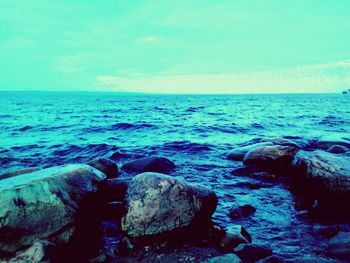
[{"x": 195, "y": 131}]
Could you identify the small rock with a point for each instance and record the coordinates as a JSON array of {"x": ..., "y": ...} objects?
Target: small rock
[
  {"x": 252, "y": 252},
  {"x": 338, "y": 149},
  {"x": 150, "y": 164},
  {"x": 241, "y": 211},
  {"x": 40, "y": 251},
  {"x": 235, "y": 235},
  {"x": 107, "y": 166},
  {"x": 227, "y": 258},
  {"x": 271, "y": 158},
  {"x": 238, "y": 154},
  {"x": 158, "y": 203},
  {"x": 339, "y": 246},
  {"x": 19, "y": 172}
]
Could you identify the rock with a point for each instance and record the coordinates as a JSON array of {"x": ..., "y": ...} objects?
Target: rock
[
  {"x": 265, "y": 177},
  {"x": 114, "y": 210},
  {"x": 241, "y": 211},
  {"x": 252, "y": 252},
  {"x": 326, "y": 143},
  {"x": 19, "y": 172},
  {"x": 279, "y": 141},
  {"x": 227, "y": 258},
  {"x": 43, "y": 204},
  {"x": 107, "y": 166},
  {"x": 325, "y": 172},
  {"x": 271, "y": 158},
  {"x": 158, "y": 203},
  {"x": 337, "y": 149},
  {"x": 339, "y": 246},
  {"x": 150, "y": 164},
  {"x": 40, "y": 251},
  {"x": 235, "y": 235},
  {"x": 326, "y": 231},
  {"x": 114, "y": 189},
  {"x": 238, "y": 154}
]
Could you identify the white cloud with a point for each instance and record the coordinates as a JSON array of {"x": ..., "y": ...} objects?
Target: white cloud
[{"x": 71, "y": 64}]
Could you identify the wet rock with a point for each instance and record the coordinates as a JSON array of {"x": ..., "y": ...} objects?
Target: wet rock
[
  {"x": 252, "y": 252},
  {"x": 19, "y": 172},
  {"x": 114, "y": 189},
  {"x": 43, "y": 204},
  {"x": 241, "y": 211},
  {"x": 271, "y": 158},
  {"x": 339, "y": 246},
  {"x": 337, "y": 149},
  {"x": 265, "y": 177},
  {"x": 235, "y": 235},
  {"x": 150, "y": 164},
  {"x": 326, "y": 172},
  {"x": 227, "y": 258},
  {"x": 40, "y": 251},
  {"x": 238, "y": 154},
  {"x": 279, "y": 141},
  {"x": 326, "y": 143},
  {"x": 107, "y": 166},
  {"x": 158, "y": 203}
]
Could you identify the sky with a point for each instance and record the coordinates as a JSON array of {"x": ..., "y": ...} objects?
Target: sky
[{"x": 182, "y": 46}]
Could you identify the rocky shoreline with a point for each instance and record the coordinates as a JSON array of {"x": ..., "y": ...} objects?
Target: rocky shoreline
[{"x": 143, "y": 212}]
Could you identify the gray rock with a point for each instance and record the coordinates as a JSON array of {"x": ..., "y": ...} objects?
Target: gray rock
[
  {"x": 325, "y": 171},
  {"x": 150, "y": 164},
  {"x": 238, "y": 154},
  {"x": 18, "y": 172},
  {"x": 339, "y": 247},
  {"x": 252, "y": 252},
  {"x": 107, "y": 166},
  {"x": 235, "y": 235},
  {"x": 271, "y": 158},
  {"x": 227, "y": 258},
  {"x": 337, "y": 149},
  {"x": 158, "y": 203},
  {"x": 43, "y": 204}
]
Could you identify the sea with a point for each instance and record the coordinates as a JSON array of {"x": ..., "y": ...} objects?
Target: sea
[{"x": 196, "y": 132}]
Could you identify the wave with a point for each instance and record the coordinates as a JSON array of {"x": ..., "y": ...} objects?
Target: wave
[{"x": 183, "y": 146}]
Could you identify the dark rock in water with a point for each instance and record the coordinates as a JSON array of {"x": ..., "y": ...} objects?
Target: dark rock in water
[
  {"x": 227, "y": 258},
  {"x": 339, "y": 246},
  {"x": 234, "y": 235},
  {"x": 326, "y": 231},
  {"x": 237, "y": 154},
  {"x": 107, "y": 166},
  {"x": 40, "y": 251},
  {"x": 241, "y": 211},
  {"x": 150, "y": 164},
  {"x": 326, "y": 143},
  {"x": 279, "y": 141},
  {"x": 265, "y": 177},
  {"x": 325, "y": 172},
  {"x": 337, "y": 149},
  {"x": 158, "y": 203},
  {"x": 114, "y": 189},
  {"x": 44, "y": 205},
  {"x": 19, "y": 172},
  {"x": 271, "y": 158},
  {"x": 252, "y": 252}
]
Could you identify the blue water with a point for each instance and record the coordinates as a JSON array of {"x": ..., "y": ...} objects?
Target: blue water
[{"x": 195, "y": 131}]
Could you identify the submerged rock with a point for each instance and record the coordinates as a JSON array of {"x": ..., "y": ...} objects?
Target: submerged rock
[
  {"x": 43, "y": 204},
  {"x": 241, "y": 211},
  {"x": 18, "y": 172},
  {"x": 271, "y": 158},
  {"x": 227, "y": 258},
  {"x": 339, "y": 246},
  {"x": 252, "y": 252},
  {"x": 158, "y": 203},
  {"x": 337, "y": 149},
  {"x": 150, "y": 164},
  {"x": 326, "y": 143},
  {"x": 107, "y": 166},
  {"x": 238, "y": 154}
]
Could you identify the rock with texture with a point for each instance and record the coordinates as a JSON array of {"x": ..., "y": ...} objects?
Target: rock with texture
[
  {"x": 107, "y": 166},
  {"x": 237, "y": 154},
  {"x": 150, "y": 164},
  {"x": 43, "y": 204},
  {"x": 271, "y": 158},
  {"x": 158, "y": 203}
]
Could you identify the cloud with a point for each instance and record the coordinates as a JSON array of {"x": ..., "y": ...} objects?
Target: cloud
[
  {"x": 71, "y": 64},
  {"x": 327, "y": 77}
]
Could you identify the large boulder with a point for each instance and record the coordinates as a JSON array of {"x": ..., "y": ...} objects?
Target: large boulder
[
  {"x": 237, "y": 154},
  {"x": 149, "y": 164},
  {"x": 43, "y": 205},
  {"x": 339, "y": 247},
  {"x": 158, "y": 203},
  {"x": 325, "y": 172},
  {"x": 271, "y": 158},
  {"x": 107, "y": 166}
]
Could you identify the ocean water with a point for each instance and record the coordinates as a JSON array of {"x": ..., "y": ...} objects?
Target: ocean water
[{"x": 195, "y": 131}]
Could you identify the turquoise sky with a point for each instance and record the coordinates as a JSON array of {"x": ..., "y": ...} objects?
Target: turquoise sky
[{"x": 175, "y": 46}]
